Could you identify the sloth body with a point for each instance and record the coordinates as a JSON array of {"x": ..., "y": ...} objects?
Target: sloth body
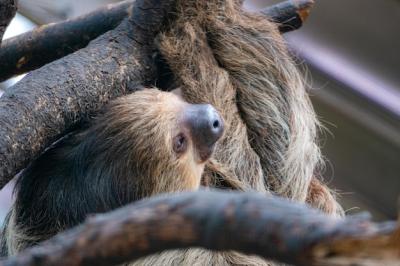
[
  {"x": 112, "y": 163},
  {"x": 219, "y": 55}
]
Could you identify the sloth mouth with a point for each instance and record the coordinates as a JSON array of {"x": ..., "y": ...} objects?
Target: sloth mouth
[{"x": 205, "y": 153}]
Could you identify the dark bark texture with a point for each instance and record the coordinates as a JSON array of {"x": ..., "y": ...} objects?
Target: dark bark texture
[
  {"x": 271, "y": 227},
  {"x": 48, "y": 101},
  {"x": 47, "y": 43},
  {"x": 8, "y": 8}
]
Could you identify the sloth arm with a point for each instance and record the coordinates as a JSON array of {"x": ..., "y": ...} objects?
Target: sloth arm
[
  {"x": 186, "y": 50},
  {"x": 271, "y": 95},
  {"x": 189, "y": 56}
]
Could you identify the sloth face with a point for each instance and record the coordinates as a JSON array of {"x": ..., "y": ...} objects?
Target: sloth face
[{"x": 166, "y": 140}]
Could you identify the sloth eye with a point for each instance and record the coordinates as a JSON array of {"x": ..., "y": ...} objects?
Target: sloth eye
[{"x": 180, "y": 143}]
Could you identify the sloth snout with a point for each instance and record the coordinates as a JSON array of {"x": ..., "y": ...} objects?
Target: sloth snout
[{"x": 206, "y": 127}]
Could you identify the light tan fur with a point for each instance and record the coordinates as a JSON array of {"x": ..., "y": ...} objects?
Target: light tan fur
[
  {"x": 238, "y": 62},
  {"x": 137, "y": 130},
  {"x": 157, "y": 115}
]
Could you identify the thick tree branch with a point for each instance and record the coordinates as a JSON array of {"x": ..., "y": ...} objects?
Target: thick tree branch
[
  {"x": 48, "y": 101},
  {"x": 47, "y": 43},
  {"x": 251, "y": 223},
  {"x": 8, "y": 8}
]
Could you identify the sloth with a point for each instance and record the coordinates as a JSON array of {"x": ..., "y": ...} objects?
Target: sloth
[
  {"x": 238, "y": 62},
  {"x": 143, "y": 144},
  {"x": 234, "y": 75}
]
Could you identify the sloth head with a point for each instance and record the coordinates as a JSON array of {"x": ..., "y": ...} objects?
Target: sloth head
[
  {"x": 146, "y": 143},
  {"x": 142, "y": 144},
  {"x": 157, "y": 139}
]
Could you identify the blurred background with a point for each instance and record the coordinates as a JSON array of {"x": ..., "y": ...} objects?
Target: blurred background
[{"x": 350, "y": 53}]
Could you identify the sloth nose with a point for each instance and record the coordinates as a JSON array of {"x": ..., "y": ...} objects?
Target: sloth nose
[
  {"x": 206, "y": 124},
  {"x": 206, "y": 127}
]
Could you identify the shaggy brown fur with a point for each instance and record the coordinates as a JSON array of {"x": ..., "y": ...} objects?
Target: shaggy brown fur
[
  {"x": 127, "y": 154},
  {"x": 238, "y": 62}
]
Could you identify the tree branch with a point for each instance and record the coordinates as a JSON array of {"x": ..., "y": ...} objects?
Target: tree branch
[
  {"x": 8, "y": 8},
  {"x": 47, "y": 43},
  {"x": 48, "y": 101},
  {"x": 251, "y": 223}
]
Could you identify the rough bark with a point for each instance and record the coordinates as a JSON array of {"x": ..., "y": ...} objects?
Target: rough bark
[
  {"x": 251, "y": 223},
  {"x": 8, "y": 8},
  {"x": 48, "y": 101},
  {"x": 47, "y": 43}
]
